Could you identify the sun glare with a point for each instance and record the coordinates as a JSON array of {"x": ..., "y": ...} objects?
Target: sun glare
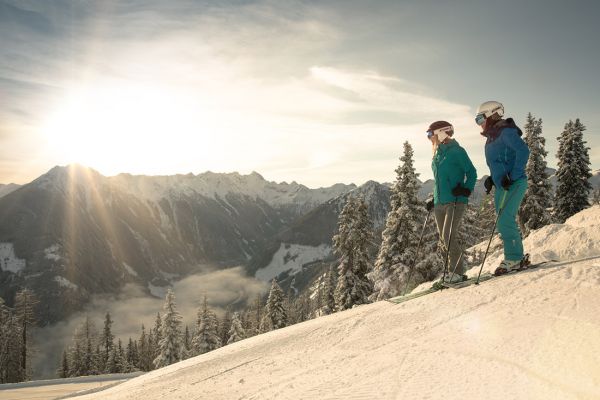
[{"x": 116, "y": 128}]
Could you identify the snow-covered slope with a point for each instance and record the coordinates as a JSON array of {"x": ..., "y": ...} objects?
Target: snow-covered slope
[{"x": 533, "y": 335}]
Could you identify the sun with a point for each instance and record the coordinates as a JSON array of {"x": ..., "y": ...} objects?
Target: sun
[{"x": 129, "y": 127}]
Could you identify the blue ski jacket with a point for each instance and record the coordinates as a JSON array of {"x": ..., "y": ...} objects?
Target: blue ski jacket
[
  {"x": 505, "y": 152},
  {"x": 451, "y": 167}
]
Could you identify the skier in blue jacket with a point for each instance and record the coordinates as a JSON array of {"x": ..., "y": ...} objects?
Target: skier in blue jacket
[
  {"x": 455, "y": 178},
  {"x": 506, "y": 155}
]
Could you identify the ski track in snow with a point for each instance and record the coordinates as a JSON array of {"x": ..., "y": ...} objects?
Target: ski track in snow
[{"x": 532, "y": 335}]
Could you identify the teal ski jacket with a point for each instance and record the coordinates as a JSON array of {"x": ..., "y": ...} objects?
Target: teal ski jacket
[{"x": 452, "y": 167}]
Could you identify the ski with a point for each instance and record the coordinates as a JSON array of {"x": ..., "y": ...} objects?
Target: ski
[
  {"x": 437, "y": 286},
  {"x": 468, "y": 282},
  {"x": 410, "y": 296}
]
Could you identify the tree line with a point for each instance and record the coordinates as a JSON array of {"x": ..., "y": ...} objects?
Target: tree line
[{"x": 399, "y": 267}]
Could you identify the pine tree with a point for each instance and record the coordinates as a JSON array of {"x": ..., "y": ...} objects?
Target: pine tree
[
  {"x": 275, "y": 314},
  {"x": 224, "y": 325},
  {"x": 206, "y": 338},
  {"x": 145, "y": 351},
  {"x": 400, "y": 236},
  {"x": 63, "y": 371},
  {"x": 107, "y": 341},
  {"x": 112, "y": 363},
  {"x": 534, "y": 213},
  {"x": 187, "y": 342},
  {"x": 171, "y": 343},
  {"x": 351, "y": 245},
  {"x": 236, "y": 331},
  {"x": 327, "y": 293},
  {"x": 132, "y": 355},
  {"x": 10, "y": 346},
  {"x": 157, "y": 335},
  {"x": 573, "y": 186},
  {"x": 120, "y": 359},
  {"x": 76, "y": 359},
  {"x": 25, "y": 302}
]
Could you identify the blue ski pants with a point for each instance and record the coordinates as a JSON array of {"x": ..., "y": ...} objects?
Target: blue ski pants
[{"x": 507, "y": 223}]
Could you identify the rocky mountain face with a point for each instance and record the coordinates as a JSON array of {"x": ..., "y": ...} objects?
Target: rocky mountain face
[
  {"x": 303, "y": 250},
  {"x": 73, "y": 233}
]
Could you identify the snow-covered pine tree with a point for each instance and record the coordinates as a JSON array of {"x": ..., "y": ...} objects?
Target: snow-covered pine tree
[
  {"x": 121, "y": 360},
  {"x": 224, "y": 325},
  {"x": 534, "y": 213},
  {"x": 236, "y": 331},
  {"x": 572, "y": 187},
  {"x": 206, "y": 337},
  {"x": 89, "y": 337},
  {"x": 145, "y": 351},
  {"x": 132, "y": 354},
  {"x": 76, "y": 363},
  {"x": 107, "y": 341},
  {"x": 327, "y": 292},
  {"x": 351, "y": 245},
  {"x": 275, "y": 313},
  {"x": 25, "y": 303},
  {"x": 10, "y": 347},
  {"x": 171, "y": 343},
  {"x": 63, "y": 370},
  {"x": 187, "y": 342},
  {"x": 400, "y": 236},
  {"x": 157, "y": 335}
]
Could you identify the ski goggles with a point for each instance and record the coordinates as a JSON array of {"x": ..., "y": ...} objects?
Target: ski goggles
[
  {"x": 429, "y": 134},
  {"x": 480, "y": 119}
]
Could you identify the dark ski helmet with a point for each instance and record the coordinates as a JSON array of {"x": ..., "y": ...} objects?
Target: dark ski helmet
[{"x": 442, "y": 129}]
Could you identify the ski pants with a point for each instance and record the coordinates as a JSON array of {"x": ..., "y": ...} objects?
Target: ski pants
[
  {"x": 507, "y": 223},
  {"x": 444, "y": 213}
]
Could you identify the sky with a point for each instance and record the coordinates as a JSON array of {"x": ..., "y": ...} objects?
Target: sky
[{"x": 317, "y": 92}]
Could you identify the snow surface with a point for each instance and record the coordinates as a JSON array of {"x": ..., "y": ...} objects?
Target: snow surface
[
  {"x": 51, "y": 253},
  {"x": 8, "y": 260},
  {"x": 61, "y": 388},
  {"x": 291, "y": 257},
  {"x": 129, "y": 269},
  {"x": 532, "y": 335},
  {"x": 64, "y": 282}
]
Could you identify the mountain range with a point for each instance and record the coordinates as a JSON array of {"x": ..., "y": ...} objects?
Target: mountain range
[{"x": 73, "y": 233}]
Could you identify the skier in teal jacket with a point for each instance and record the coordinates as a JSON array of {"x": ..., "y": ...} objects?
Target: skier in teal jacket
[
  {"x": 506, "y": 154},
  {"x": 455, "y": 178}
]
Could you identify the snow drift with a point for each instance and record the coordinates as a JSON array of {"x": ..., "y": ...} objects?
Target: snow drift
[{"x": 533, "y": 335}]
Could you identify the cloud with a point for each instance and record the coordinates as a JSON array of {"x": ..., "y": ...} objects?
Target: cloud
[
  {"x": 132, "y": 307},
  {"x": 256, "y": 81}
]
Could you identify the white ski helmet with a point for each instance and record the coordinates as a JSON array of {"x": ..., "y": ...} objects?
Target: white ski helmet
[{"x": 488, "y": 109}]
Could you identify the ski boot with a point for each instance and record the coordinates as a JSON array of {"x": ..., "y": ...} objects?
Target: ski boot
[{"x": 507, "y": 266}]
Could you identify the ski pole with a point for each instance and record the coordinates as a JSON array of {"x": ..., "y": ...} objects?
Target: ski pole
[
  {"x": 492, "y": 235},
  {"x": 449, "y": 240},
  {"x": 417, "y": 252}
]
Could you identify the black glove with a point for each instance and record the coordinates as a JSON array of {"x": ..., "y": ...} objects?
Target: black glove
[
  {"x": 506, "y": 182},
  {"x": 429, "y": 204},
  {"x": 488, "y": 184},
  {"x": 460, "y": 191}
]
